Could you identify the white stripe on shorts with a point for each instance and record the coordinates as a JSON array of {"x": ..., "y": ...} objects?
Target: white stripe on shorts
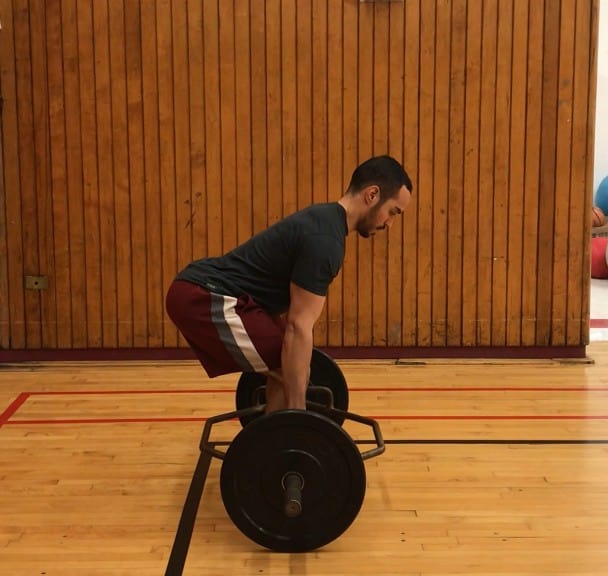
[{"x": 240, "y": 343}]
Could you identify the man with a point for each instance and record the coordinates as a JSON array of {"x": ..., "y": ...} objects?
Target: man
[{"x": 230, "y": 308}]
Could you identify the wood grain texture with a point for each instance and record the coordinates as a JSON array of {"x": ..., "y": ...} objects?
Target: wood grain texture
[
  {"x": 500, "y": 460},
  {"x": 138, "y": 135}
]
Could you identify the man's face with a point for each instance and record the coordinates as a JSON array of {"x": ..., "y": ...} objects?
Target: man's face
[{"x": 381, "y": 216}]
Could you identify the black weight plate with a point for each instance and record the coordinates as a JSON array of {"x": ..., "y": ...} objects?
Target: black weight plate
[
  {"x": 311, "y": 445},
  {"x": 323, "y": 372}
]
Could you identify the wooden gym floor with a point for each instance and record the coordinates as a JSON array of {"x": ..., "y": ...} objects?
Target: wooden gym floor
[{"x": 491, "y": 468}]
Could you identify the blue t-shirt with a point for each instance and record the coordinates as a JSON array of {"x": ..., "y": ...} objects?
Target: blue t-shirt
[{"x": 306, "y": 248}]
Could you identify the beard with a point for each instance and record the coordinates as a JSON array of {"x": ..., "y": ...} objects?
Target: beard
[{"x": 366, "y": 226}]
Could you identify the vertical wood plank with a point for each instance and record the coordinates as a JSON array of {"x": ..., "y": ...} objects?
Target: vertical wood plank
[
  {"x": 319, "y": 128},
  {"x": 273, "y": 111},
  {"x": 74, "y": 176},
  {"x": 304, "y": 86},
  {"x": 561, "y": 217},
  {"x": 197, "y": 128},
  {"x": 120, "y": 161},
  {"x": 500, "y": 207},
  {"x": 532, "y": 172},
  {"x": 379, "y": 115},
  {"x": 289, "y": 103},
  {"x": 13, "y": 333},
  {"x": 517, "y": 155},
  {"x": 411, "y": 103},
  {"x": 166, "y": 120},
  {"x": 426, "y": 144},
  {"x": 365, "y": 151},
  {"x": 546, "y": 198},
  {"x": 486, "y": 174},
  {"x": 440, "y": 172},
  {"x": 135, "y": 133},
  {"x": 395, "y": 137},
  {"x": 350, "y": 49},
  {"x": 60, "y": 225},
  {"x": 107, "y": 228},
  {"x": 259, "y": 144},
  {"x": 184, "y": 212},
  {"x": 335, "y": 168},
  {"x": 48, "y": 311},
  {"x": 244, "y": 121},
  {"x": 470, "y": 202},
  {"x": 228, "y": 125},
  {"x": 27, "y": 167},
  {"x": 88, "y": 129},
  {"x": 455, "y": 186},
  {"x": 150, "y": 77},
  {"x": 585, "y": 80}
]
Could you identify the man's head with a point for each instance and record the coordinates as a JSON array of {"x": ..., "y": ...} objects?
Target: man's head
[{"x": 379, "y": 190}]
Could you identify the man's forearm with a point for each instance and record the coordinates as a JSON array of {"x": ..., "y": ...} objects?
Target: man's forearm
[{"x": 295, "y": 365}]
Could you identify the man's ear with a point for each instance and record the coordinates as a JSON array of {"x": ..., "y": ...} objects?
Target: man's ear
[{"x": 372, "y": 194}]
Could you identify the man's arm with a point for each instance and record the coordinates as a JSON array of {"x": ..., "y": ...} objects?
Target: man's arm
[{"x": 304, "y": 310}]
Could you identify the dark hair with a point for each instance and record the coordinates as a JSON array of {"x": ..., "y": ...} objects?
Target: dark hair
[{"x": 382, "y": 171}]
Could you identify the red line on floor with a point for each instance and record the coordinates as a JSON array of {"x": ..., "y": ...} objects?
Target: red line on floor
[
  {"x": 354, "y": 389},
  {"x": 24, "y": 422},
  {"x": 12, "y": 408},
  {"x": 116, "y": 392},
  {"x": 598, "y": 323}
]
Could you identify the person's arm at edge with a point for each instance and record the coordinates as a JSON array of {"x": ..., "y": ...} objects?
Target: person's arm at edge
[{"x": 304, "y": 309}]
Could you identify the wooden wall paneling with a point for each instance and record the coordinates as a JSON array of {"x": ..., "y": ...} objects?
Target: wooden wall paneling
[
  {"x": 27, "y": 167},
  {"x": 243, "y": 121},
  {"x": 43, "y": 191},
  {"x": 228, "y": 125},
  {"x": 380, "y": 120},
  {"x": 74, "y": 176},
  {"x": 455, "y": 184},
  {"x": 583, "y": 123},
  {"x": 530, "y": 278},
  {"x": 107, "y": 222},
  {"x": 197, "y": 126},
  {"x": 426, "y": 132},
  {"x": 136, "y": 171},
  {"x": 486, "y": 173},
  {"x": 152, "y": 187},
  {"x": 60, "y": 226},
  {"x": 335, "y": 143},
  {"x": 319, "y": 127},
  {"x": 122, "y": 197},
  {"x": 166, "y": 120},
  {"x": 440, "y": 171},
  {"x": 563, "y": 194},
  {"x": 88, "y": 128},
  {"x": 12, "y": 307},
  {"x": 501, "y": 200},
  {"x": 181, "y": 106},
  {"x": 304, "y": 87},
  {"x": 274, "y": 190},
  {"x": 516, "y": 169},
  {"x": 546, "y": 198},
  {"x": 395, "y": 137},
  {"x": 411, "y": 104},
  {"x": 472, "y": 145},
  {"x": 350, "y": 50},
  {"x": 258, "y": 119},
  {"x": 289, "y": 105},
  {"x": 365, "y": 150},
  {"x": 4, "y": 284}
]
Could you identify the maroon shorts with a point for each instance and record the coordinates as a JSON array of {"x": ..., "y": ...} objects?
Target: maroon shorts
[{"x": 227, "y": 334}]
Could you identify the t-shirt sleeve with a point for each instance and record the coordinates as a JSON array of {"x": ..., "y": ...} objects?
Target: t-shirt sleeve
[{"x": 319, "y": 261}]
